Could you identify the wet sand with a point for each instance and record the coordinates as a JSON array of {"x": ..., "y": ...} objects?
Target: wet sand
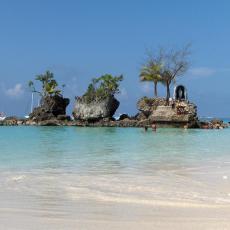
[
  {"x": 112, "y": 216},
  {"x": 51, "y": 200}
]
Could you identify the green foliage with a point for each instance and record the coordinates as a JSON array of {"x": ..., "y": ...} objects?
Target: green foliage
[
  {"x": 49, "y": 85},
  {"x": 151, "y": 72},
  {"x": 102, "y": 87},
  {"x": 165, "y": 67}
]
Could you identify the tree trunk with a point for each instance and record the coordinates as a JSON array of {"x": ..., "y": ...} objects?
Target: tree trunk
[
  {"x": 168, "y": 92},
  {"x": 155, "y": 89}
]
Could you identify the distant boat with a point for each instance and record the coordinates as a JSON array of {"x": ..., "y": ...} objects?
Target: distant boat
[{"x": 2, "y": 116}]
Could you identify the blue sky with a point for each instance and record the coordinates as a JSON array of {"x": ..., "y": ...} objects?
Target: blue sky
[{"x": 82, "y": 39}]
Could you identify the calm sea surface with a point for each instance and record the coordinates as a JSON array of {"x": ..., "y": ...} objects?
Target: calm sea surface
[{"x": 66, "y": 172}]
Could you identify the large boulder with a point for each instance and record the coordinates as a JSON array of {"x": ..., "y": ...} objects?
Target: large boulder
[
  {"x": 175, "y": 113},
  {"x": 213, "y": 124},
  {"x": 9, "y": 121},
  {"x": 179, "y": 113},
  {"x": 147, "y": 105},
  {"x": 123, "y": 117},
  {"x": 95, "y": 110},
  {"x": 51, "y": 107}
]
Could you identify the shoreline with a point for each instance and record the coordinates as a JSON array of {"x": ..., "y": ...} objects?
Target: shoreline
[
  {"x": 124, "y": 123},
  {"x": 71, "y": 178}
]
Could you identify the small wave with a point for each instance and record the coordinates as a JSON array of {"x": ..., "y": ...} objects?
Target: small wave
[
  {"x": 199, "y": 201},
  {"x": 18, "y": 178}
]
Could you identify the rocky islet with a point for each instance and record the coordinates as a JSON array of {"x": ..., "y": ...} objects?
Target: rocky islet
[{"x": 52, "y": 112}]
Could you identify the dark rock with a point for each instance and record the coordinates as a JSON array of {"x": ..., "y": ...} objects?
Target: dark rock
[
  {"x": 140, "y": 116},
  {"x": 96, "y": 110},
  {"x": 51, "y": 107},
  {"x": 10, "y": 121},
  {"x": 51, "y": 122},
  {"x": 205, "y": 125},
  {"x": 112, "y": 119},
  {"x": 218, "y": 124},
  {"x": 216, "y": 121},
  {"x": 144, "y": 123},
  {"x": 123, "y": 116},
  {"x": 127, "y": 123},
  {"x": 63, "y": 118},
  {"x": 213, "y": 124}
]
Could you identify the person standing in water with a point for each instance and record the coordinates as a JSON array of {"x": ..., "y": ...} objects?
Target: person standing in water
[{"x": 154, "y": 127}]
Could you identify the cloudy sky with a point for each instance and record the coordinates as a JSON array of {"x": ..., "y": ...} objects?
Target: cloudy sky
[{"x": 82, "y": 39}]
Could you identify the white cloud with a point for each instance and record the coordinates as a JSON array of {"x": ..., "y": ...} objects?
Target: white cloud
[
  {"x": 16, "y": 91},
  {"x": 202, "y": 71},
  {"x": 207, "y": 72}
]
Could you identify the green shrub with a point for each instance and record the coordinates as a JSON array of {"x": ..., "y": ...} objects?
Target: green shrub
[
  {"x": 102, "y": 87},
  {"x": 49, "y": 85}
]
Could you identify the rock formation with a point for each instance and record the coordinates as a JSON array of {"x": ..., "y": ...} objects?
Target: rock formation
[
  {"x": 213, "y": 124},
  {"x": 147, "y": 105},
  {"x": 176, "y": 113},
  {"x": 52, "y": 107},
  {"x": 95, "y": 110}
]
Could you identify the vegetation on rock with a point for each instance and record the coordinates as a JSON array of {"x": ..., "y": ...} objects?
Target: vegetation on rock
[
  {"x": 151, "y": 72},
  {"x": 49, "y": 85},
  {"x": 147, "y": 105},
  {"x": 165, "y": 66},
  {"x": 102, "y": 88}
]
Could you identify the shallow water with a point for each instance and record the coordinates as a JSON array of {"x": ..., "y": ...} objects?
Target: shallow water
[{"x": 72, "y": 174}]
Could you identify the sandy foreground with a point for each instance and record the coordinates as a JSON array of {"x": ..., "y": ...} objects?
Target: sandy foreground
[
  {"x": 37, "y": 202},
  {"x": 99, "y": 215},
  {"x": 197, "y": 199}
]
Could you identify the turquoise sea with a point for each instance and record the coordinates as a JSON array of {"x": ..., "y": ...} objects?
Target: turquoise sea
[
  {"x": 109, "y": 150},
  {"x": 78, "y": 173}
]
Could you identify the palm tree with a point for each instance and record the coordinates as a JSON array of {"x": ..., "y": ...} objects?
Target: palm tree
[
  {"x": 151, "y": 72},
  {"x": 166, "y": 66},
  {"x": 49, "y": 85}
]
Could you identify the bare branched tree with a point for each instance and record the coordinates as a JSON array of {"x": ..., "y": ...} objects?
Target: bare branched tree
[
  {"x": 175, "y": 63},
  {"x": 166, "y": 65}
]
